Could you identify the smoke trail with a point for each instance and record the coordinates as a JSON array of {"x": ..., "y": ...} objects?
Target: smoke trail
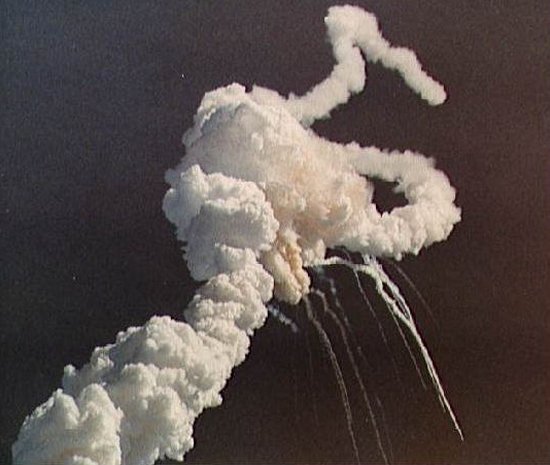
[
  {"x": 356, "y": 371},
  {"x": 325, "y": 340},
  {"x": 257, "y": 199},
  {"x": 354, "y": 342},
  {"x": 350, "y": 31},
  {"x": 381, "y": 329},
  {"x": 399, "y": 308}
]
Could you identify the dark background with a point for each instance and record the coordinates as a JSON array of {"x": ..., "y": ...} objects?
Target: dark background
[{"x": 93, "y": 108}]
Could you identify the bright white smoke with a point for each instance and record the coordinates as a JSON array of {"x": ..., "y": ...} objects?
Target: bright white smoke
[{"x": 256, "y": 199}]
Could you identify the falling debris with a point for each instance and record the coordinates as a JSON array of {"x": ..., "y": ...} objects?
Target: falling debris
[{"x": 257, "y": 200}]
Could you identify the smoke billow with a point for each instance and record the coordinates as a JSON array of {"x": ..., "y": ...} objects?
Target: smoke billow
[{"x": 257, "y": 199}]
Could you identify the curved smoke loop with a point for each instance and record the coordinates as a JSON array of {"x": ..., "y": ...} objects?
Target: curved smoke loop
[{"x": 258, "y": 198}]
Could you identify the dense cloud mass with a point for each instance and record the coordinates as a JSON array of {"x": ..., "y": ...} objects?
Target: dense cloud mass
[{"x": 257, "y": 198}]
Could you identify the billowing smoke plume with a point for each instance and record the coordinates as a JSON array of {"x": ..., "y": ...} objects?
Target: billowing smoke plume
[{"x": 257, "y": 198}]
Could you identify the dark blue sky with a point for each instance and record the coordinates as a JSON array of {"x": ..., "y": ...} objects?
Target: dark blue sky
[{"x": 93, "y": 110}]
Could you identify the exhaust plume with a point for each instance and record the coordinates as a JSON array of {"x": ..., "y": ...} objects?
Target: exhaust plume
[{"x": 257, "y": 199}]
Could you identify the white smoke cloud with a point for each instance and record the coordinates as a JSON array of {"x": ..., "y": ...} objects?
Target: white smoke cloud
[
  {"x": 350, "y": 31},
  {"x": 257, "y": 198}
]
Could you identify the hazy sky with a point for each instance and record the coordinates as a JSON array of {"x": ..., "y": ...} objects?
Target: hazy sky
[{"x": 94, "y": 108}]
